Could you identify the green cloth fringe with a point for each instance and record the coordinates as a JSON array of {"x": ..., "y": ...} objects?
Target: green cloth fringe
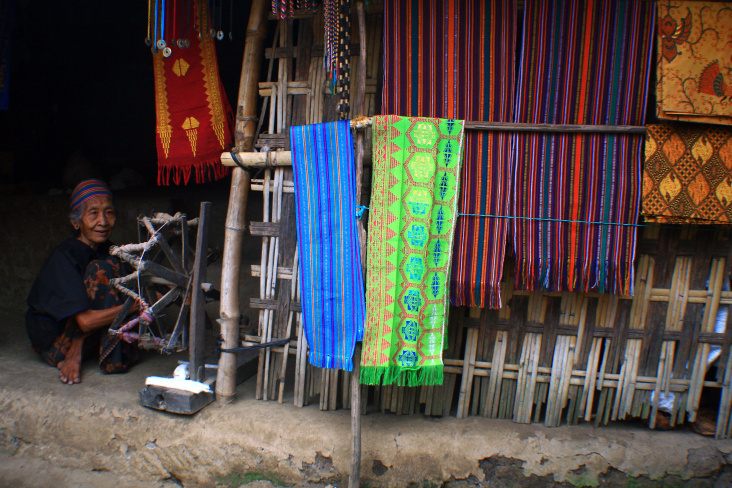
[{"x": 395, "y": 375}]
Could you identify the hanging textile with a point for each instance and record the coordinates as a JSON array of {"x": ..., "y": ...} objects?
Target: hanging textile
[
  {"x": 337, "y": 51},
  {"x": 456, "y": 59},
  {"x": 332, "y": 295},
  {"x": 283, "y": 9},
  {"x": 577, "y": 196},
  {"x": 687, "y": 175},
  {"x": 7, "y": 16},
  {"x": 194, "y": 118},
  {"x": 693, "y": 81},
  {"x": 416, "y": 170}
]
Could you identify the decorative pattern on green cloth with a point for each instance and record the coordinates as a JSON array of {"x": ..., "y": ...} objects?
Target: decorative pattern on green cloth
[{"x": 416, "y": 168}]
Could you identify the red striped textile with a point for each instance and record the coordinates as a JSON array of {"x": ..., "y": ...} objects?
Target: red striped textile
[
  {"x": 582, "y": 62},
  {"x": 455, "y": 59}
]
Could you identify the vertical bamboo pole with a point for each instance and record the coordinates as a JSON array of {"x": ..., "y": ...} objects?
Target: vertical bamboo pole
[
  {"x": 238, "y": 196},
  {"x": 355, "y": 476}
]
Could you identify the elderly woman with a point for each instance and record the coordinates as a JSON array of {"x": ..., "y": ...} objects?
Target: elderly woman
[{"x": 71, "y": 303}]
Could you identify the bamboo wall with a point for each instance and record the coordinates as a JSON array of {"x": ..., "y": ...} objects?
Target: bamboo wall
[{"x": 543, "y": 357}]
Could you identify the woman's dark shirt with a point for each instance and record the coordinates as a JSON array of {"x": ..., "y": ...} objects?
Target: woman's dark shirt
[{"x": 59, "y": 292}]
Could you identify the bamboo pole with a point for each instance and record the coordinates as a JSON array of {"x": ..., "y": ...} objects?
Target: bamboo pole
[
  {"x": 238, "y": 196},
  {"x": 354, "y": 479}
]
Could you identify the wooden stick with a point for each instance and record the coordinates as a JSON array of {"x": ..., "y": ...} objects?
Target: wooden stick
[
  {"x": 263, "y": 314},
  {"x": 567, "y": 376},
  {"x": 521, "y": 381},
  {"x": 196, "y": 346},
  {"x": 725, "y": 402},
  {"x": 660, "y": 371},
  {"x": 588, "y": 395},
  {"x": 534, "y": 374},
  {"x": 354, "y": 480},
  {"x": 288, "y": 333},
  {"x": 238, "y": 196},
  {"x": 467, "y": 376}
]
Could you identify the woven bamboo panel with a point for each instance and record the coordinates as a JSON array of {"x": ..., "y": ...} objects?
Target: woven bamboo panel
[
  {"x": 565, "y": 357},
  {"x": 543, "y": 357},
  {"x": 299, "y": 96}
]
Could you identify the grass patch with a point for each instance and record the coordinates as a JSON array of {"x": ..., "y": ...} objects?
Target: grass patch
[{"x": 235, "y": 480}]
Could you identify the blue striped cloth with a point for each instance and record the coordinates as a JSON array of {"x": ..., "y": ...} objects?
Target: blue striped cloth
[{"x": 332, "y": 292}]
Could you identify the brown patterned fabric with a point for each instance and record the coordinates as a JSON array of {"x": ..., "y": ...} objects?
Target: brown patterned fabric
[
  {"x": 687, "y": 176},
  {"x": 694, "y": 61}
]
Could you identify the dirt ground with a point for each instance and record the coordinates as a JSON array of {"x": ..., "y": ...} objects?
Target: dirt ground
[
  {"x": 97, "y": 434},
  {"x": 33, "y": 472}
]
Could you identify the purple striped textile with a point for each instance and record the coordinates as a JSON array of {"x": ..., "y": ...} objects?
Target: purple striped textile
[
  {"x": 577, "y": 196},
  {"x": 332, "y": 291},
  {"x": 455, "y": 59}
]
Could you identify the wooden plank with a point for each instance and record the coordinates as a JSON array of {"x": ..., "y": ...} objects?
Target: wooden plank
[
  {"x": 262, "y": 229},
  {"x": 264, "y": 304},
  {"x": 174, "y": 400}
]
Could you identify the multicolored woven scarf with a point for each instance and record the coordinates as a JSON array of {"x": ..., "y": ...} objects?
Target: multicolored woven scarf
[
  {"x": 576, "y": 197},
  {"x": 416, "y": 164},
  {"x": 687, "y": 175},
  {"x": 693, "y": 81},
  {"x": 7, "y": 17},
  {"x": 194, "y": 118},
  {"x": 455, "y": 59},
  {"x": 332, "y": 295}
]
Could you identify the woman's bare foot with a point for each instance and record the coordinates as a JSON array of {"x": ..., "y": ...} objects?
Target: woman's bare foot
[{"x": 70, "y": 367}]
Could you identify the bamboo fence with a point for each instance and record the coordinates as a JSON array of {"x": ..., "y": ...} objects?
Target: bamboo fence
[{"x": 543, "y": 357}]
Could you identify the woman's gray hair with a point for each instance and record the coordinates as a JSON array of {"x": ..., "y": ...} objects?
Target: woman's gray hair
[{"x": 76, "y": 215}]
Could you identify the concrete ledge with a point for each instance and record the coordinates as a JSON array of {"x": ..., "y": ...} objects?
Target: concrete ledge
[{"x": 100, "y": 425}]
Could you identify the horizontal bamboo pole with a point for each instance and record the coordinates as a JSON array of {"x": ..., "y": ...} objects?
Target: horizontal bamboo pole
[
  {"x": 284, "y": 158},
  {"x": 258, "y": 159}
]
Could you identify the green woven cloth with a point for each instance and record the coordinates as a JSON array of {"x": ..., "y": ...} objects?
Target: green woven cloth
[{"x": 416, "y": 168}]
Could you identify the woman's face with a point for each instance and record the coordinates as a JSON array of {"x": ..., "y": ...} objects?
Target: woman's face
[{"x": 97, "y": 222}]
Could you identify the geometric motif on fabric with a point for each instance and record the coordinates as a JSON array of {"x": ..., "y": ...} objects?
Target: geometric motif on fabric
[
  {"x": 687, "y": 175},
  {"x": 416, "y": 165},
  {"x": 694, "y": 81}
]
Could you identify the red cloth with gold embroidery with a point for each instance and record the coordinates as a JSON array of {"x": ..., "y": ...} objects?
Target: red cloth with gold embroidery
[{"x": 194, "y": 118}]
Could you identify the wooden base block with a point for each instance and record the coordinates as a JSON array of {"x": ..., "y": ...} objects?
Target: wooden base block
[{"x": 173, "y": 400}]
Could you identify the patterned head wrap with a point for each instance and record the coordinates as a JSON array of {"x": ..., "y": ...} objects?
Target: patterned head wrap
[{"x": 88, "y": 189}]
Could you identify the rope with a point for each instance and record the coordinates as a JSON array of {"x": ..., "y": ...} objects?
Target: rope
[
  {"x": 247, "y": 348},
  {"x": 236, "y": 160},
  {"x": 360, "y": 211}
]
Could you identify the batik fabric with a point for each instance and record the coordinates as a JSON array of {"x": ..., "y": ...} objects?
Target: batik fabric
[
  {"x": 456, "y": 59},
  {"x": 577, "y": 196},
  {"x": 694, "y": 61},
  {"x": 687, "y": 175},
  {"x": 416, "y": 174},
  {"x": 194, "y": 118},
  {"x": 332, "y": 294}
]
